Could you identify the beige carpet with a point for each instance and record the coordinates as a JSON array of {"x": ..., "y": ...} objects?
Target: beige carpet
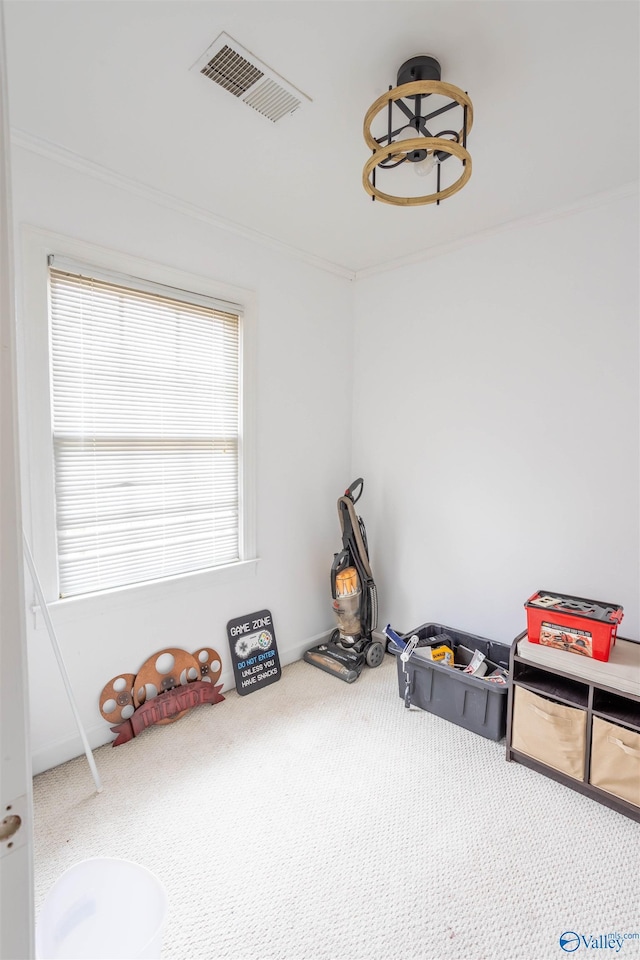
[{"x": 316, "y": 820}]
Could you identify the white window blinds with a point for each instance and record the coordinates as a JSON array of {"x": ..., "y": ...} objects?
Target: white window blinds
[{"x": 145, "y": 432}]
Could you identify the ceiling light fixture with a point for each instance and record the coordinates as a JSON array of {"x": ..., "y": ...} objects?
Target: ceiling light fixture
[{"x": 412, "y": 141}]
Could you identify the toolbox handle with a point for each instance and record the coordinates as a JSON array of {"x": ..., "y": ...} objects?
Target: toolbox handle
[
  {"x": 391, "y": 634},
  {"x": 623, "y": 746},
  {"x": 616, "y": 615}
]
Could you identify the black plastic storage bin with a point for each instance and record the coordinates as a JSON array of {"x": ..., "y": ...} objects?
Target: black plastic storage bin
[{"x": 472, "y": 702}]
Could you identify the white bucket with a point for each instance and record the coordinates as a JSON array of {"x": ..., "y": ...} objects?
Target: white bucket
[{"x": 103, "y": 909}]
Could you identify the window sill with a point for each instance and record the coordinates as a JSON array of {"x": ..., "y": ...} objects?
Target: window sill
[{"x": 90, "y": 605}]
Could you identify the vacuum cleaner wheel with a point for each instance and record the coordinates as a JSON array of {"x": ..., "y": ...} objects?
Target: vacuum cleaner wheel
[{"x": 375, "y": 654}]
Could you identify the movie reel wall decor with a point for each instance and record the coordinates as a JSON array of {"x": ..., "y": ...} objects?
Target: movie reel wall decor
[{"x": 167, "y": 685}]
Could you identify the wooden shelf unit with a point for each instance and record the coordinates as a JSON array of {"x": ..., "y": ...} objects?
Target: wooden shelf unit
[{"x": 595, "y": 698}]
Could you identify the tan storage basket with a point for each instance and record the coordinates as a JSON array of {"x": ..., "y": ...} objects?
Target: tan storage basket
[
  {"x": 615, "y": 760},
  {"x": 549, "y": 732}
]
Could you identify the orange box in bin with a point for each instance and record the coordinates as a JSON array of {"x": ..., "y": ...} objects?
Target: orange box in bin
[{"x": 575, "y": 624}]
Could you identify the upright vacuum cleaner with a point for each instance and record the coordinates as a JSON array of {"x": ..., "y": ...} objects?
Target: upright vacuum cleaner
[{"x": 355, "y": 600}]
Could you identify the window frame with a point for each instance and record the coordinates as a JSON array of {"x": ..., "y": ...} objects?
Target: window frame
[{"x": 37, "y": 422}]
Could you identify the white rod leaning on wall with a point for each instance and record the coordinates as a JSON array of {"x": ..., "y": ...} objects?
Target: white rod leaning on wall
[{"x": 63, "y": 670}]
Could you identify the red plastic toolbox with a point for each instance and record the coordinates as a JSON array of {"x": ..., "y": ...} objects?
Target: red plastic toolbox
[{"x": 587, "y": 627}]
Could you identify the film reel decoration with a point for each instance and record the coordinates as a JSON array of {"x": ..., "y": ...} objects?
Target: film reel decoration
[
  {"x": 162, "y": 672},
  {"x": 210, "y": 664},
  {"x": 167, "y": 685},
  {"x": 116, "y": 700}
]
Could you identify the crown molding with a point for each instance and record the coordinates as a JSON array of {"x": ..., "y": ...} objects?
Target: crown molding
[
  {"x": 68, "y": 158},
  {"x": 521, "y": 223},
  {"x": 51, "y": 151}
]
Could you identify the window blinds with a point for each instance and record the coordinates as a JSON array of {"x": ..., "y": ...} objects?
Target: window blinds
[{"x": 145, "y": 433}]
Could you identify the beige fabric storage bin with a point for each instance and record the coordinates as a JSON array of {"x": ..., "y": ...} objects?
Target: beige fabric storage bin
[
  {"x": 549, "y": 732},
  {"x": 615, "y": 760}
]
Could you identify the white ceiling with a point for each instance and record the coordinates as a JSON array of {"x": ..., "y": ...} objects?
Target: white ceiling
[{"x": 554, "y": 87}]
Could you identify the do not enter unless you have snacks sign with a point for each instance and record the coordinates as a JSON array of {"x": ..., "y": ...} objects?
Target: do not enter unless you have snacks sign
[{"x": 254, "y": 654}]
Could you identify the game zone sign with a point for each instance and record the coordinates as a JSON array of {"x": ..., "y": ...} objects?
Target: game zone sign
[{"x": 254, "y": 653}]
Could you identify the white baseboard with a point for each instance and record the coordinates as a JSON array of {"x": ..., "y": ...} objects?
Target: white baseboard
[
  {"x": 67, "y": 748},
  {"x": 296, "y": 651}
]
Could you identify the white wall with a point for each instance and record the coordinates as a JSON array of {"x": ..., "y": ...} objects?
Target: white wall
[
  {"x": 303, "y": 435},
  {"x": 496, "y": 419}
]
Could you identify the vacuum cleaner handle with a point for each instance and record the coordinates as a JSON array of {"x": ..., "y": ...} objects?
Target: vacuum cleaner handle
[
  {"x": 349, "y": 492},
  {"x": 340, "y": 562}
]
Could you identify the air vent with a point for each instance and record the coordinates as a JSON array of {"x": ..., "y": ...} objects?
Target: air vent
[
  {"x": 228, "y": 64},
  {"x": 232, "y": 71},
  {"x": 271, "y": 100}
]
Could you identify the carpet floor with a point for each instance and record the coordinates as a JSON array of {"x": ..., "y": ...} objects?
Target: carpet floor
[{"x": 316, "y": 820}]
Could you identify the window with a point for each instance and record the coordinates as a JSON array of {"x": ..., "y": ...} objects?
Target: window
[{"x": 147, "y": 438}]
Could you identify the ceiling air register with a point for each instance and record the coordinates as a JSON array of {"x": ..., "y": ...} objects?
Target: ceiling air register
[
  {"x": 234, "y": 68},
  {"x": 405, "y": 120}
]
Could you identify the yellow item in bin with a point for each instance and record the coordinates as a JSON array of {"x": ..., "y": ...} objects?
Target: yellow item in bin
[{"x": 442, "y": 654}]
